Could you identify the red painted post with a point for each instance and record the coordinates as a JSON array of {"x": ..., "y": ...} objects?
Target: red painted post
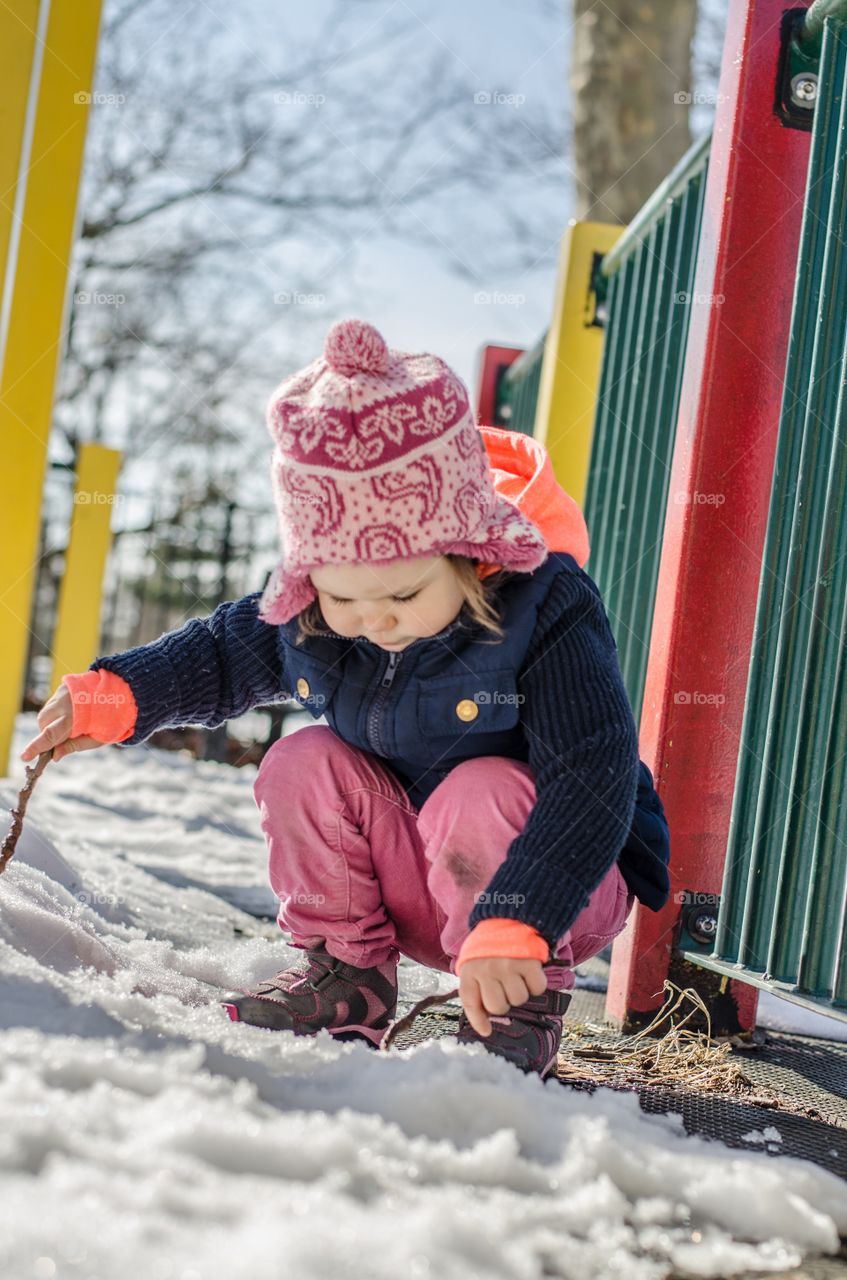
[
  {"x": 718, "y": 505},
  {"x": 492, "y": 363}
]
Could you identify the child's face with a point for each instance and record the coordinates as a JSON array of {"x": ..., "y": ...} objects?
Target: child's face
[{"x": 390, "y": 603}]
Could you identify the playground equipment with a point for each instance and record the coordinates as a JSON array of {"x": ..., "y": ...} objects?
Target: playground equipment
[
  {"x": 47, "y": 57},
  {"x": 783, "y": 910},
  {"x": 556, "y": 382},
  {"x": 715, "y": 505},
  {"x": 646, "y": 285},
  {"x": 78, "y": 623}
]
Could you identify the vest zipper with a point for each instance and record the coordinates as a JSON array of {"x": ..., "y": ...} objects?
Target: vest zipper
[
  {"x": 382, "y": 693},
  {"x": 448, "y": 630}
]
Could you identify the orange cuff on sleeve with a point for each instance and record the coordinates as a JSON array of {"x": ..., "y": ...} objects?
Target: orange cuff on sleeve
[
  {"x": 104, "y": 706},
  {"x": 502, "y": 938}
]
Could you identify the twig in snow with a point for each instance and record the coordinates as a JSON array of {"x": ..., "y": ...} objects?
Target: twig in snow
[{"x": 33, "y": 773}]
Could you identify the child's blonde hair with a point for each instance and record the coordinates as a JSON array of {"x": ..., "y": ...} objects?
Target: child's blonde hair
[{"x": 480, "y": 601}]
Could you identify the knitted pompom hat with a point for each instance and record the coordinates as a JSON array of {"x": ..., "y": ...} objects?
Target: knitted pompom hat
[{"x": 377, "y": 458}]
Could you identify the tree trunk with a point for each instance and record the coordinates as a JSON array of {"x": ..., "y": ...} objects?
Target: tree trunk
[{"x": 631, "y": 94}]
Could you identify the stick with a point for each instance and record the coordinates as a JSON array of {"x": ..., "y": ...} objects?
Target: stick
[
  {"x": 33, "y": 773},
  {"x": 401, "y": 1024}
]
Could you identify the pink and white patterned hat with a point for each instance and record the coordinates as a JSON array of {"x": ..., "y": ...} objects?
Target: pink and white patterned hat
[{"x": 377, "y": 458}]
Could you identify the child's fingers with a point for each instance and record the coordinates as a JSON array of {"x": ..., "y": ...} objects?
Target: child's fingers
[
  {"x": 57, "y": 705},
  {"x": 536, "y": 981},
  {"x": 75, "y": 744},
  {"x": 474, "y": 1008},
  {"x": 516, "y": 989},
  {"x": 51, "y": 735},
  {"x": 484, "y": 994},
  {"x": 494, "y": 996},
  {"x": 55, "y": 720}
]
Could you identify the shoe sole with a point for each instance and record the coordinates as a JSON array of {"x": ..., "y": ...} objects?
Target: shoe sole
[{"x": 351, "y": 1031}]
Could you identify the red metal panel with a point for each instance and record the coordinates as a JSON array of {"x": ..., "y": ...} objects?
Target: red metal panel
[
  {"x": 719, "y": 491},
  {"x": 492, "y": 360}
]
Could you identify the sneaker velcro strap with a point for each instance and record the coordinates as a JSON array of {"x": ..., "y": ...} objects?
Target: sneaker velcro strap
[
  {"x": 559, "y": 1001},
  {"x": 326, "y": 978}
]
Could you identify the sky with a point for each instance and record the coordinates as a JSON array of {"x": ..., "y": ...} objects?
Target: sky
[
  {"x": 528, "y": 57},
  {"x": 410, "y": 293}
]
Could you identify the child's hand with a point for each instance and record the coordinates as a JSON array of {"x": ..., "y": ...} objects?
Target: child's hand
[
  {"x": 55, "y": 720},
  {"x": 495, "y": 986}
]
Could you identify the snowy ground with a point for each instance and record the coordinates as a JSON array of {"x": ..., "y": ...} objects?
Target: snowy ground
[{"x": 144, "y": 1134}]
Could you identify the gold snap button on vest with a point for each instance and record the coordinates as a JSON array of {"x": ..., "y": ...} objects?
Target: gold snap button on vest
[
  {"x": 303, "y": 688},
  {"x": 467, "y": 709}
]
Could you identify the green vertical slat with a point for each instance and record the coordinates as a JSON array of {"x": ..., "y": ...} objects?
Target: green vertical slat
[
  {"x": 529, "y": 397},
  {"x": 519, "y": 388},
  {"x": 648, "y": 538},
  {"x": 631, "y": 426},
  {"x": 823, "y": 950},
  {"x": 820, "y": 540},
  {"x": 821, "y": 966},
  {"x": 619, "y": 405},
  {"x": 748, "y": 891},
  {"x": 642, "y": 435},
  {"x": 602, "y": 437},
  {"x": 640, "y": 381}
]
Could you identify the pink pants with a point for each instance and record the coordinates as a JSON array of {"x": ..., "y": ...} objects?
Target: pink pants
[{"x": 355, "y": 865}]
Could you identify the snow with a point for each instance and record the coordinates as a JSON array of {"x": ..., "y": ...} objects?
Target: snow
[
  {"x": 143, "y": 1133},
  {"x": 767, "y": 1135},
  {"x": 778, "y": 1013}
]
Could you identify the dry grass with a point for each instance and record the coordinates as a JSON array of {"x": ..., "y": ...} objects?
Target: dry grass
[{"x": 678, "y": 1058}]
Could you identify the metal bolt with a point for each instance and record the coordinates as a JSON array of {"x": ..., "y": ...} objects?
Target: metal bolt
[
  {"x": 703, "y": 924},
  {"x": 804, "y": 89}
]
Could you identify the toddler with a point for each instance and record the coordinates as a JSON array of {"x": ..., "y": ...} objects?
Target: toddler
[{"x": 474, "y": 798}]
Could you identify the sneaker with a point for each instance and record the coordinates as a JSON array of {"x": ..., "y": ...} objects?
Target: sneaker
[
  {"x": 528, "y": 1035},
  {"x": 322, "y": 993}
]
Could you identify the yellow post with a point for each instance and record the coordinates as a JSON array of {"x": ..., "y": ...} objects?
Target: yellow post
[
  {"x": 20, "y": 61},
  {"x": 44, "y": 197},
  {"x": 567, "y": 393},
  {"x": 77, "y": 631}
]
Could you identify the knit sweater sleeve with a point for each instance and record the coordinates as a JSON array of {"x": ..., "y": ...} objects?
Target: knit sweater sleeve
[
  {"x": 583, "y": 750},
  {"x": 205, "y": 672}
]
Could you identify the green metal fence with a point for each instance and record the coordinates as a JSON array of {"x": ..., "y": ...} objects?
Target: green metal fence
[
  {"x": 782, "y": 914},
  {"x": 648, "y": 279},
  {"x": 518, "y": 392}
]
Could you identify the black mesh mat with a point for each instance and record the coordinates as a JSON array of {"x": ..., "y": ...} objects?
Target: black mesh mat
[{"x": 808, "y": 1077}]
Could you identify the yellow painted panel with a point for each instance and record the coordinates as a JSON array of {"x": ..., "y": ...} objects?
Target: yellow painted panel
[
  {"x": 81, "y": 592},
  {"x": 36, "y": 321},
  {"x": 570, "y": 373},
  {"x": 19, "y": 74}
]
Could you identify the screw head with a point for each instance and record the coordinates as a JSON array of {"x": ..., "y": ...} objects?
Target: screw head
[
  {"x": 804, "y": 89},
  {"x": 703, "y": 924}
]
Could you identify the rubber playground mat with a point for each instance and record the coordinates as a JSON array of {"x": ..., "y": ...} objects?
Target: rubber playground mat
[{"x": 798, "y": 1095}]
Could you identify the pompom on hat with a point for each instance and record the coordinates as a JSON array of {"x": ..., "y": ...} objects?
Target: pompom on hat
[{"x": 377, "y": 458}]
